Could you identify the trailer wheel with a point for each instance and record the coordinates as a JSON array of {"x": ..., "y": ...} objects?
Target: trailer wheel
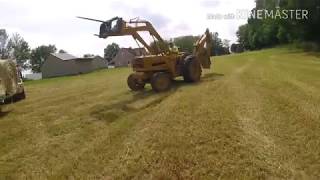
[
  {"x": 22, "y": 95},
  {"x": 191, "y": 69},
  {"x": 18, "y": 97},
  {"x": 161, "y": 81},
  {"x": 134, "y": 83}
]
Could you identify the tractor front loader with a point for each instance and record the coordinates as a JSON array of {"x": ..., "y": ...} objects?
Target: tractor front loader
[{"x": 162, "y": 64}]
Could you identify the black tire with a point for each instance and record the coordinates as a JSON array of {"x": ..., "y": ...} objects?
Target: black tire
[
  {"x": 22, "y": 95},
  {"x": 18, "y": 97},
  {"x": 134, "y": 83},
  {"x": 185, "y": 55},
  {"x": 191, "y": 69},
  {"x": 161, "y": 81}
]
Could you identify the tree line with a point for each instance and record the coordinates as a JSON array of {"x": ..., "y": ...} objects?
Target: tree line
[
  {"x": 288, "y": 26},
  {"x": 219, "y": 46},
  {"x": 15, "y": 47},
  {"x": 183, "y": 43}
]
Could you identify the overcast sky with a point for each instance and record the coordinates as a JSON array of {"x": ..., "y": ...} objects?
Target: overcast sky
[{"x": 53, "y": 22}]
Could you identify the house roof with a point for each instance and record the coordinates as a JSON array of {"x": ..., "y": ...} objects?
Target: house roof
[
  {"x": 140, "y": 51},
  {"x": 64, "y": 56},
  {"x": 132, "y": 51},
  {"x": 135, "y": 51},
  {"x": 99, "y": 57}
]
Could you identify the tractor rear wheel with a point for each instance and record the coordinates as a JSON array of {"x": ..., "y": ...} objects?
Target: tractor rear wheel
[
  {"x": 161, "y": 81},
  {"x": 191, "y": 69},
  {"x": 135, "y": 83}
]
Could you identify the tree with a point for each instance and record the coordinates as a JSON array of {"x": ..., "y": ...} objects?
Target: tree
[
  {"x": 185, "y": 43},
  {"x": 242, "y": 34},
  {"x": 88, "y": 55},
  {"x": 261, "y": 33},
  {"x": 157, "y": 46},
  {"x": 39, "y": 55},
  {"x": 3, "y": 44},
  {"x": 21, "y": 50},
  {"x": 14, "y": 47},
  {"x": 219, "y": 47},
  {"x": 62, "y": 51},
  {"x": 282, "y": 35},
  {"x": 111, "y": 51}
]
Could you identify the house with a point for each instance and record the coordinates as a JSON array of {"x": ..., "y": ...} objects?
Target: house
[
  {"x": 63, "y": 64},
  {"x": 126, "y": 55},
  {"x": 99, "y": 62}
]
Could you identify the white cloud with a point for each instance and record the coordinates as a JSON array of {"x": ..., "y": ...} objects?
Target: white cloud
[{"x": 53, "y": 22}]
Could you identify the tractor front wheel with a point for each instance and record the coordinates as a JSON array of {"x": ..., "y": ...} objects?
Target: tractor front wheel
[
  {"x": 161, "y": 81},
  {"x": 135, "y": 83}
]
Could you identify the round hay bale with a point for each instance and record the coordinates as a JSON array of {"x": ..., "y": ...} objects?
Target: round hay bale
[{"x": 8, "y": 77}]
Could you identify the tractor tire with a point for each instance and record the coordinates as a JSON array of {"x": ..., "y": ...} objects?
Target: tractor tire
[
  {"x": 134, "y": 83},
  {"x": 191, "y": 69},
  {"x": 161, "y": 81}
]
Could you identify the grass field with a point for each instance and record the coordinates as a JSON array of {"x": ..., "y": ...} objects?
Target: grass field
[{"x": 254, "y": 115}]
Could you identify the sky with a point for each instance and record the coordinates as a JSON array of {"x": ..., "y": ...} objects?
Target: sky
[{"x": 43, "y": 22}]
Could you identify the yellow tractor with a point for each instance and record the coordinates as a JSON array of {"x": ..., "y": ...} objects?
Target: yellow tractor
[{"x": 162, "y": 64}]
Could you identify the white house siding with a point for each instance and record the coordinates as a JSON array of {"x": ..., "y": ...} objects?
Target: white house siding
[{"x": 34, "y": 76}]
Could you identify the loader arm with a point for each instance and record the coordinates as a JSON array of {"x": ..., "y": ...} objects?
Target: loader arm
[
  {"x": 134, "y": 27},
  {"x": 118, "y": 27},
  {"x": 202, "y": 49}
]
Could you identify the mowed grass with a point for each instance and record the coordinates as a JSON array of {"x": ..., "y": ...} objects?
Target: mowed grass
[{"x": 253, "y": 116}]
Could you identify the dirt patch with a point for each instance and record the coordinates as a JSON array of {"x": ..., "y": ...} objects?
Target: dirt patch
[
  {"x": 3, "y": 114},
  {"x": 138, "y": 102},
  {"x": 211, "y": 77},
  {"x": 108, "y": 116},
  {"x": 147, "y": 102}
]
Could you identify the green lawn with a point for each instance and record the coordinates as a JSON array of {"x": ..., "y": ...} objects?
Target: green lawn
[{"x": 254, "y": 115}]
